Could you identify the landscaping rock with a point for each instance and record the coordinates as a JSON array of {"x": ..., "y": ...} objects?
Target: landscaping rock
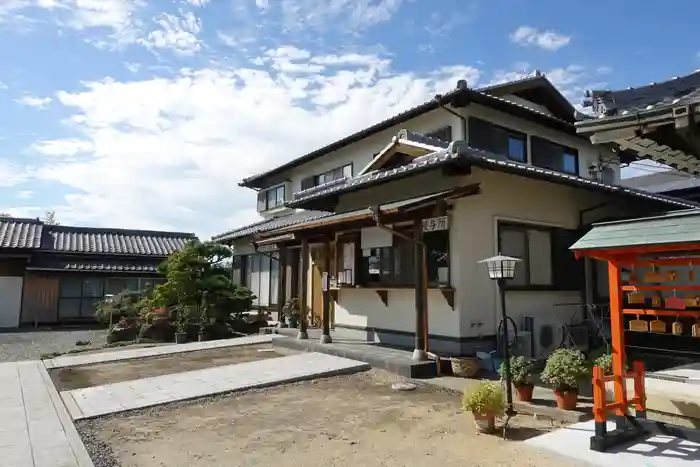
[{"x": 403, "y": 386}]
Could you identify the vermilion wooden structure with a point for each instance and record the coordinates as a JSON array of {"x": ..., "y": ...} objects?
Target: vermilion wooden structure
[{"x": 629, "y": 427}]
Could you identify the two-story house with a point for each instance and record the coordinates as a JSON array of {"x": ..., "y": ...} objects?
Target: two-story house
[{"x": 386, "y": 226}]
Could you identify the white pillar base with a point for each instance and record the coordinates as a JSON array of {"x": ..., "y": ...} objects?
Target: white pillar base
[
  {"x": 419, "y": 355},
  {"x": 325, "y": 339},
  {"x": 302, "y": 335}
]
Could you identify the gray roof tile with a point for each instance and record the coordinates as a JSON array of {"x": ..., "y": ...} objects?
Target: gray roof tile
[
  {"x": 270, "y": 224},
  {"x": 94, "y": 266},
  {"x": 117, "y": 241},
  {"x": 20, "y": 233},
  {"x": 606, "y": 103}
]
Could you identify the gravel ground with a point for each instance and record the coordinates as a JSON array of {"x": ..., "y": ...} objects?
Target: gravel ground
[
  {"x": 332, "y": 422},
  {"x": 31, "y": 345}
]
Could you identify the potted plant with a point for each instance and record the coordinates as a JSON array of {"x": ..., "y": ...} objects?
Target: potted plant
[
  {"x": 486, "y": 402},
  {"x": 291, "y": 311},
  {"x": 181, "y": 324},
  {"x": 564, "y": 370},
  {"x": 520, "y": 376}
]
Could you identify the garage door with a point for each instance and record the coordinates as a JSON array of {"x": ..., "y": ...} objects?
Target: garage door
[{"x": 10, "y": 301}]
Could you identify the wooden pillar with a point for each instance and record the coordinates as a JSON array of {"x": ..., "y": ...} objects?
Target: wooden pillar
[
  {"x": 617, "y": 342},
  {"x": 282, "y": 282},
  {"x": 421, "y": 292},
  {"x": 304, "y": 290},
  {"x": 326, "y": 315}
]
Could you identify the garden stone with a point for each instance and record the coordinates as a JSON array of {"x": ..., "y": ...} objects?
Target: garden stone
[{"x": 403, "y": 386}]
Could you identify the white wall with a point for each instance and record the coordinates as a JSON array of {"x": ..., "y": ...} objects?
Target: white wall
[{"x": 10, "y": 301}]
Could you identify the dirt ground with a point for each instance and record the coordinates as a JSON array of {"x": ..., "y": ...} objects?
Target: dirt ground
[
  {"x": 105, "y": 373},
  {"x": 334, "y": 422}
]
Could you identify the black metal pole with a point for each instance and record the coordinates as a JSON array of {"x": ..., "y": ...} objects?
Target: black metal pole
[
  {"x": 420, "y": 299},
  {"x": 510, "y": 411}
]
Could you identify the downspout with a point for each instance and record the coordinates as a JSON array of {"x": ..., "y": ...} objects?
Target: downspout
[
  {"x": 375, "y": 215},
  {"x": 461, "y": 117}
]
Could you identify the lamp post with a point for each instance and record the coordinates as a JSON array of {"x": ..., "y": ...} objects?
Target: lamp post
[{"x": 502, "y": 268}]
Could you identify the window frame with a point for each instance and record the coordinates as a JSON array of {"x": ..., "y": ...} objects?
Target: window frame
[
  {"x": 509, "y": 135},
  {"x": 564, "y": 152},
  {"x": 319, "y": 179},
  {"x": 561, "y": 280},
  {"x": 436, "y": 132},
  {"x": 249, "y": 267}
]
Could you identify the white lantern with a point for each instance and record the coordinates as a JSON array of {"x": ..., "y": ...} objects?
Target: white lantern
[{"x": 500, "y": 267}]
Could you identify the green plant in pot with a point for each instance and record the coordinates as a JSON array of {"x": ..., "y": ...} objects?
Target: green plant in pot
[
  {"x": 486, "y": 402},
  {"x": 291, "y": 311},
  {"x": 181, "y": 320},
  {"x": 564, "y": 370},
  {"x": 521, "y": 377}
]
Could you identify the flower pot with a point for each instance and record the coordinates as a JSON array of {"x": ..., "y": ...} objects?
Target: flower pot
[
  {"x": 523, "y": 392},
  {"x": 465, "y": 367},
  {"x": 180, "y": 337},
  {"x": 566, "y": 398},
  {"x": 484, "y": 422}
]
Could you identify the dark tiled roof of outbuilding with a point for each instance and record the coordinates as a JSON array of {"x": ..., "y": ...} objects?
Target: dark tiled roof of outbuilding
[
  {"x": 663, "y": 182},
  {"x": 94, "y": 266},
  {"x": 270, "y": 224},
  {"x": 606, "y": 103},
  {"x": 20, "y": 233},
  {"x": 117, "y": 241}
]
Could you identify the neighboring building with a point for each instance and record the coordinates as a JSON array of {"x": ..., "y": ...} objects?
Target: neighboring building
[
  {"x": 516, "y": 179},
  {"x": 56, "y": 273},
  {"x": 668, "y": 182}
]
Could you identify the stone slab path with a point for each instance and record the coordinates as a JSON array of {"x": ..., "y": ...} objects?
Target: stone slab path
[
  {"x": 35, "y": 427},
  {"x": 157, "y": 390},
  {"x": 130, "y": 354},
  {"x": 573, "y": 442}
]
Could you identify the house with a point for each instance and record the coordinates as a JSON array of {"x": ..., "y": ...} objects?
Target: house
[
  {"x": 348, "y": 228},
  {"x": 667, "y": 182},
  {"x": 56, "y": 273}
]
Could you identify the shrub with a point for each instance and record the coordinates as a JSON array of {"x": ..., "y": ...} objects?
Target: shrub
[
  {"x": 520, "y": 371},
  {"x": 125, "y": 304},
  {"x": 605, "y": 362},
  {"x": 565, "y": 369},
  {"x": 487, "y": 398}
]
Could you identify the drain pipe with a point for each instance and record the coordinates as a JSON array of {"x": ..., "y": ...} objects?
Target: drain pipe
[
  {"x": 376, "y": 217},
  {"x": 461, "y": 117}
]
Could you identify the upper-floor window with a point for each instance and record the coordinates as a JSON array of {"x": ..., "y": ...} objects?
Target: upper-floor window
[
  {"x": 553, "y": 156},
  {"x": 498, "y": 140},
  {"x": 271, "y": 198},
  {"x": 327, "y": 177},
  {"x": 444, "y": 134}
]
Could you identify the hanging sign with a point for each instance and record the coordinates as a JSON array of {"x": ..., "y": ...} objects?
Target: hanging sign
[{"x": 433, "y": 224}]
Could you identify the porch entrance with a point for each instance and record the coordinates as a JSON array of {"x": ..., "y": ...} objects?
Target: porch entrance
[{"x": 318, "y": 260}]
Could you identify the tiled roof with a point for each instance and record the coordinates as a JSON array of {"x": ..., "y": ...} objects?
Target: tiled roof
[
  {"x": 94, "y": 266},
  {"x": 663, "y": 182},
  {"x": 479, "y": 96},
  {"x": 20, "y": 233},
  {"x": 117, "y": 241},
  {"x": 460, "y": 151},
  {"x": 645, "y": 98},
  {"x": 270, "y": 224}
]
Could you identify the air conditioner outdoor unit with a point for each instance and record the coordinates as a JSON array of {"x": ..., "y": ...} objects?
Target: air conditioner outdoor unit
[{"x": 523, "y": 345}]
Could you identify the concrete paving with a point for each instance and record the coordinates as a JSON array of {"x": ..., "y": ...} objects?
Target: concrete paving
[
  {"x": 573, "y": 442},
  {"x": 35, "y": 428},
  {"x": 147, "y": 392},
  {"x": 130, "y": 354}
]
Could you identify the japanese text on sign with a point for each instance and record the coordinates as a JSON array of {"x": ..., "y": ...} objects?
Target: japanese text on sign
[{"x": 435, "y": 223}]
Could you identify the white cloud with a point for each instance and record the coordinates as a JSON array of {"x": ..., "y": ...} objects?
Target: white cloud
[
  {"x": 36, "y": 102},
  {"x": 199, "y": 3},
  {"x": 262, "y": 4},
  {"x": 3, "y": 86},
  {"x": 12, "y": 174},
  {"x": 547, "y": 40},
  {"x": 177, "y": 33},
  {"x": 24, "y": 194},
  {"x": 168, "y": 152},
  {"x": 354, "y": 15}
]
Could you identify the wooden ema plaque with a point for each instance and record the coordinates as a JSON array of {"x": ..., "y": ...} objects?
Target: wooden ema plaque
[
  {"x": 657, "y": 326},
  {"x": 695, "y": 330},
  {"x": 656, "y": 301},
  {"x": 639, "y": 325},
  {"x": 675, "y": 303},
  {"x": 692, "y": 301},
  {"x": 636, "y": 298},
  {"x": 677, "y": 328}
]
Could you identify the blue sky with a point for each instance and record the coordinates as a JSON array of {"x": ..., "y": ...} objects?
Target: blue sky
[{"x": 146, "y": 113}]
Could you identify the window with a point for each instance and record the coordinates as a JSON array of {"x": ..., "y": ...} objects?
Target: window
[
  {"x": 271, "y": 198},
  {"x": 80, "y": 295},
  {"x": 554, "y": 156},
  {"x": 444, "y": 134},
  {"x": 395, "y": 265},
  {"x": 489, "y": 137},
  {"x": 546, "y": 261},
  {"x": 260, "y": 274},
  {"x": 344, "y": 171}
]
